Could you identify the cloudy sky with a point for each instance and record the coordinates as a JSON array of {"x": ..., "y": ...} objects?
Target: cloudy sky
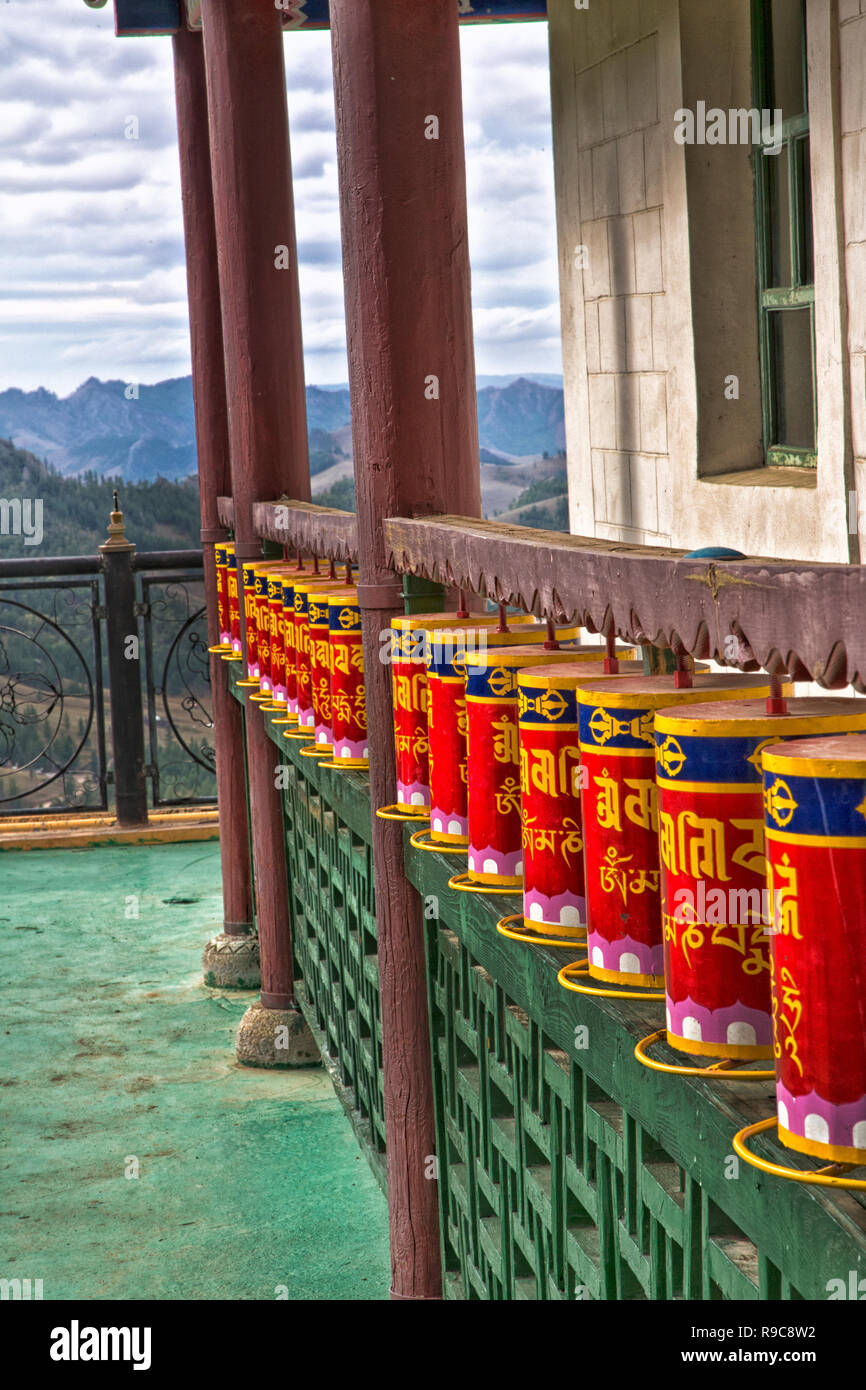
[{"x": 91, "y": 256}]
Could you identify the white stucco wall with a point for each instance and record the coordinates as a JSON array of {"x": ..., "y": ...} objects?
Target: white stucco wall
[{"x": 638, "y": 216}]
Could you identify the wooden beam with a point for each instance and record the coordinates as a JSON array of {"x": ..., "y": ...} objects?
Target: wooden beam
[
  {"x": 415, "y": 444},
  {"x": 261, "y": 331},
  {"x": 786, "y": 614},
  {"x": 306, "y": 527},
  {"x": 212, "y": 445},
  {"x": 301, "y": 526}
]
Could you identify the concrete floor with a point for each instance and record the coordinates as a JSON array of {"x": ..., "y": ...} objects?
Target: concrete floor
[{"x": 250, "y": 1183}]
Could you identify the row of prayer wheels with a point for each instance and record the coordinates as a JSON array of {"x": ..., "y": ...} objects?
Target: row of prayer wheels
[
  {"x": 643, "y": 815},
  {"x": 708, "y": 844},
  {"x": 304, "y": 658}
]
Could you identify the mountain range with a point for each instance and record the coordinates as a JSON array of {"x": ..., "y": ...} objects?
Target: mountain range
[{"x": 141, "y": 433}]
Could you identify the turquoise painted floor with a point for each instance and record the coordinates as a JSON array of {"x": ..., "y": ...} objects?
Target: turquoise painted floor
[{"x": 115, "y": 1058}]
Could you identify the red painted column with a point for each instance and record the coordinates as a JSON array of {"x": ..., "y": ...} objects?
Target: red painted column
[
  {"x": 214, "y": 474},
  {"x": 261, "y": 331},
  {"x": 412, "y": 379}
]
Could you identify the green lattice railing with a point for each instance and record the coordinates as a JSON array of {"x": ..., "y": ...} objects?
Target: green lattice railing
[
  {"x": 327, "y": 817},
  {"x": 566, "y": 1170}
]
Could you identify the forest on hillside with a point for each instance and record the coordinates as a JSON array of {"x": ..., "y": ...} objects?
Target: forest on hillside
[{"x": 159, "y": 515}]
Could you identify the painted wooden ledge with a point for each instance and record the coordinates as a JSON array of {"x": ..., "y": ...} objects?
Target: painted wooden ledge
[
  {"x": 303, "y": 526},
  {"x": 793, "y": 615}
]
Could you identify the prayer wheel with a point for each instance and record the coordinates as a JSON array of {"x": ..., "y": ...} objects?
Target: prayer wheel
[
  {"x": 248, "y": 617},
  {"x": 348, "y": 696},
  {"x": 495, "y": 828},
  {"x": 446, "y": 719},
  {"x": 620, "y": 824},
  {"x": 288, "y": 637},
  {"x": 409, "y": 645},
  {"x": 276, "y": 623},
  {"x": 815, "y": 819},
  {"x": 263, "y": 571},
  {"x": 715, "y": 904},
  {"x": 234, "y": 604},
  {"x": 221, "y": 563},
  {"x": 320, "y": 663},
  {"x": 304, "y": 652},
  {"x": 554, "y": 898}
]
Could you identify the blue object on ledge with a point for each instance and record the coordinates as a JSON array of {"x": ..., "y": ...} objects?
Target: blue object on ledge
[{"x": 715, "y": 552}]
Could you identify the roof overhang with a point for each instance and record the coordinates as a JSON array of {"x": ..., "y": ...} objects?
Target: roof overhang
[{"x": 136, "y": 17}]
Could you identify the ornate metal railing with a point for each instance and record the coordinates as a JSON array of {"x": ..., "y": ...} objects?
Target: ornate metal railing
[
  {"x": 55, "y": 692},
  {"x": 181, "y": 761},
  {"x": 52, "y": 698}
]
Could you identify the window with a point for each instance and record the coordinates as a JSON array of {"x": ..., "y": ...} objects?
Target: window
[{"x": 783, "y": 209}]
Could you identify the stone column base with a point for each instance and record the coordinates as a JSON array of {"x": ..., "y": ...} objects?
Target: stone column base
[
  {"x": 232, "y": 962},
  {"x": 275, "y": 1038}
]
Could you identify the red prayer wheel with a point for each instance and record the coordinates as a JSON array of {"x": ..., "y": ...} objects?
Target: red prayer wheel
[
  {"x": 263, "y": 570},
  {"x": 251, "y": 632},
  {"x": 318, "y": 619},
  {"x": 288, "y": 639},
  {"x": 320, "y": 665},
  {"x": 495, "y": 828},
  {"x": 407, "y": 653},
  {"x": 263, "y": 626},
  {"x": 446, "y": 718},
  {"x": 234, "y": 603},
  {"x": 714, "y": 897},
  {"x": 554, "y": 895},
  {"x": 221, "y": 562},
  {"x": 348, "y": 696},
  {"x": 277, "y": 637},
  {"x": 306, "y": 644},
  {"x": 303, "y": 686},
  {"x": 815, "y": 818},
  {"x": 620, "y": 820}
]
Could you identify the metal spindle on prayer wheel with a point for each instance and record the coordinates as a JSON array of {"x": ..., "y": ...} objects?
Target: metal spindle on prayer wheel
[
  {"x": 620, "y": 824},
  {"x": 715, "y": 904},
  {"x": 495, "y": 851},
  {"x": 815, "y": 826}
]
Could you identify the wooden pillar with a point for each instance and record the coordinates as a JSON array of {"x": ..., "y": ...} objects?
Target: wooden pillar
[
  {"x": 261, "y": 333},
  {"x": 214, "y": 477},
  {"x": 414, "y": 429}
]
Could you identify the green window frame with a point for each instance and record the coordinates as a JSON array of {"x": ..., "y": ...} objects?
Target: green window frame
[{"x": 785, "y": 262}]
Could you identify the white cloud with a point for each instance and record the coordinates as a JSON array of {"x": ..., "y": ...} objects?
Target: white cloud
[{"x": 92, "y": 277}]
